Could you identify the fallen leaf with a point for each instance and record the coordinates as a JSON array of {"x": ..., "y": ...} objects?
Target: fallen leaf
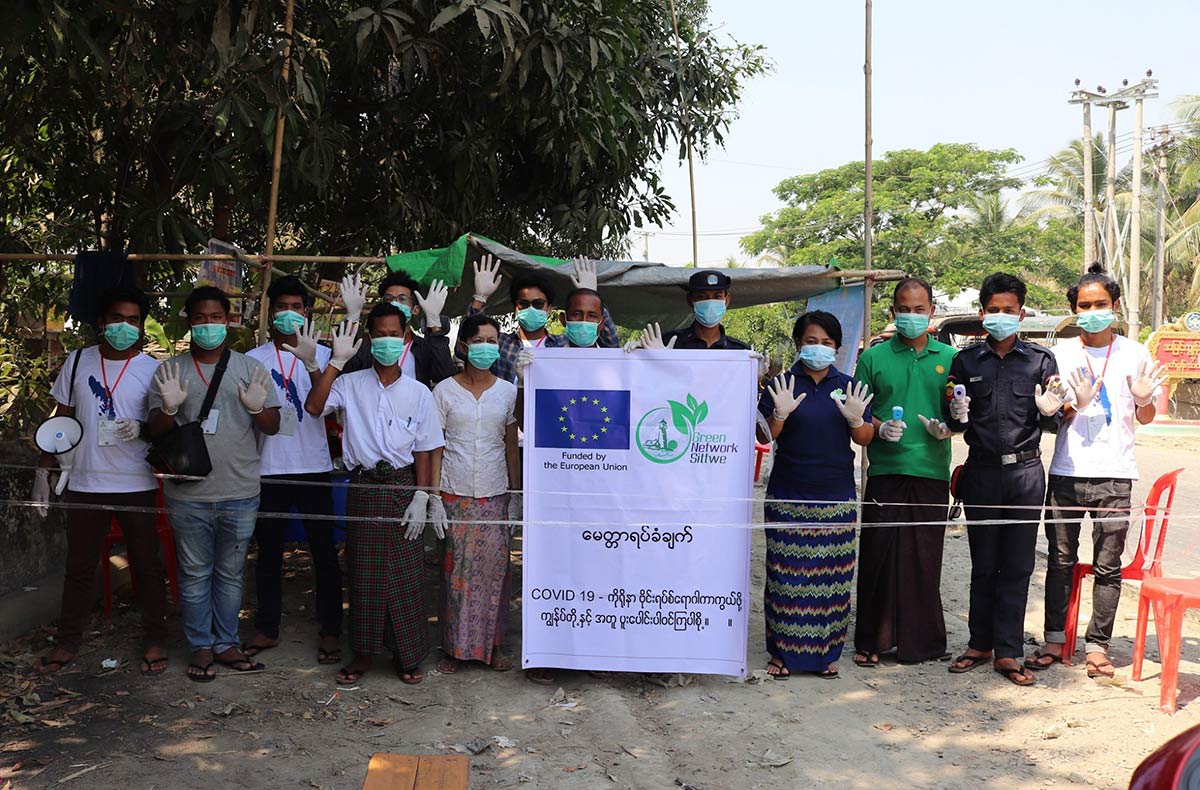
[
  {"x": 884, "y": 727},
  {"x": 772, "y": 760},
  {"x": 381, "y": 722}
]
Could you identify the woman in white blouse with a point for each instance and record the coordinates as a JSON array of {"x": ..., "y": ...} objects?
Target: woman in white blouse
[{"x": 476, "y": 469}]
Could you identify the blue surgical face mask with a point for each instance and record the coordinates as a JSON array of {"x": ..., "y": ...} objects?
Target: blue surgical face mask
[
  {"x": 912, "y": 325},
  {"x": 209, "y": 336},
  {"x": 709, "y": 312},
  {"x": 482, "y": 355},
  {"x": 406, "y": 309},
  {"x": 582, "y": 333},
  {"x": 287, "y": 321},
  {"x": 1095, "y": 320},
  {"x": 532, "y": 319},
  {"x": 1001, "y": 326},
  {"x": 817, "y": 357},
  {"x": 387, "y": 350},
  {"x": 121, "y": 335}
]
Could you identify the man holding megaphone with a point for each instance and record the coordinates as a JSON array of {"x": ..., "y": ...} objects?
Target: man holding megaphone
[{"x": 95, "y": 438}]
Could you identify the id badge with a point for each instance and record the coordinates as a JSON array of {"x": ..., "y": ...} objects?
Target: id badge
[
  {"x": 106, "y": 432},
  {"x": 209, "y": 426},
  {"x": 287, "y": 421}
]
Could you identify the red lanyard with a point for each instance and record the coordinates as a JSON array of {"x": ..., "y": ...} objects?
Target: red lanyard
[
  {"x": 199, "y": 372},
  {"x": 538, "y": 344},
  {"x": 112, "y": 406},
  {"x": 403, "y": 357},
  {"x": 287, "y": 377},
  {"x": 1088, "y": 358}
]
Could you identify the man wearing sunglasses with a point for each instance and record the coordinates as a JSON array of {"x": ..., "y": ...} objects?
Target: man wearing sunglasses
[
  {"x": 532, "y": 298},
  {"x": 425, "y": 359}
]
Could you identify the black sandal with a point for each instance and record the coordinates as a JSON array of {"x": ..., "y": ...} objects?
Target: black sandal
[
  {"x": 783, "y": 674},
  {"x": 975, "y": 663},
  {"x": 1016, "y": 675},
  {"x": 205, "y": 676},
  {"x": 867, "y": 662},
  {"x": 148, "y": 663},
  {"x": 250, "y": 650},
  {"x": 829, "y": 674},
  {"x": 1034, "y": 663},
  {"x": 243, "y": 665},
  {"x": 329, "y": 656}
]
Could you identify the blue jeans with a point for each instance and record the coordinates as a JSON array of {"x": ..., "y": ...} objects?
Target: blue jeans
[{"x": 211, "y": 539}]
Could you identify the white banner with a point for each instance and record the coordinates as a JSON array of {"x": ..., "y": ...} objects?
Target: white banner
[{"x": 638, "y": 477}]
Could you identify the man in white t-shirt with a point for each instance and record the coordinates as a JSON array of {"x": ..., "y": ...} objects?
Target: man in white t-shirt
[
  {"x": 1112, "y": 385},
  {"x": 105, "y": 387},
  {"x": 295, "y": 466}
]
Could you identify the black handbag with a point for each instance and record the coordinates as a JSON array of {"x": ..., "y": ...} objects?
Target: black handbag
[{"x": 182, "y": 452}]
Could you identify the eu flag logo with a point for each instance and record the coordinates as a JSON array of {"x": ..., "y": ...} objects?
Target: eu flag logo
[{"x": 582, "y": 419}]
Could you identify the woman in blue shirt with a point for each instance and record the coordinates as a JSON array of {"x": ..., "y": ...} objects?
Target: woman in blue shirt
[{"x": 813, "y": 412}]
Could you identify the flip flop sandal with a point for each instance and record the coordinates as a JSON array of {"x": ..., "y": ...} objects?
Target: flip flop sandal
[
  {"x": 502, "y": 665},
  {"x": 541, "y": 679},
  {"x": 447, "y": 666},
  {"x": 1034, "y": 661},
  {"x": 253, "y": 650},
  {"x": 1016, "y": 675},
  {"x": 329, "y": 656},
  {"x": 975, "y": 663},
  {"x": 204, "y": 677},
  {"x": 243, "y": 665},
  {"x": 1095, "y": 670},
  {"x": 867, "y": 662},
  {"x": 147, "y": 667},
  {"x": 348, "y": 677},
  {"x": 827, "y": 675},
  {"x": 784, "y": 673},
  {"x": 47, "y": 668},
  {"x": 411, "y": 677}
]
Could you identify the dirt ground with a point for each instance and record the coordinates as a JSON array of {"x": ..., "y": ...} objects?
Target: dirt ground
[{"x": 291, "y": 726}]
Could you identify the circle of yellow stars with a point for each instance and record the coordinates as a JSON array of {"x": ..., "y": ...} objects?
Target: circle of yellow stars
[{"x": 583, "y": 401}]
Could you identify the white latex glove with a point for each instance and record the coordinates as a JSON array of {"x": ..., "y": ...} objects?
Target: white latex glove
[
  {"x": 855, "y": 405},
  {"x": 345, "y": 344},
  {"x": 1050, "y": 399},
  {"x": 936, "y": 428},
  {"x": 413, "y": 519},
  {"x": 764, "y": 363},
  {"x": 128, "y": 429},
  {"x": 487, "y": 278},
  {"x": 584, "y": 275},
  {"x": 305, "y": 349},
  {"x": 433, "y": 302},
  {"x": 1148, "y": 380},
  {"x": 892, "y": 430},
  {"x": 171, "y": 391},
  {"x": 516, "y": 513},
  {"x": 960, "y": 408},
  {"x": 631, "y": 345},
  {"x": 437, "y": 515},
  {"x": 1084, "y": 388},
  {"x": 652, "y": 337},
  {"x": 781, "y": 393},
  {"x": 254, "y": 394},
  {"x": 41, "y": 492},
  {"x": 354, "y": 296},
  {"x": 524, "y": 360}
]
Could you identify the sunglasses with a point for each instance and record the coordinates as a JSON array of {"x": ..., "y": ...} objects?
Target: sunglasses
[{"x": 536, "y": 304}]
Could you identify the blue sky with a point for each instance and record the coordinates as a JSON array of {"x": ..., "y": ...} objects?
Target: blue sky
[{"x": 997, "y": 75}]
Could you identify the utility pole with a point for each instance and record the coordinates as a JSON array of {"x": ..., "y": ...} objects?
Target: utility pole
[
  {"x": 1160, "y": 235},
  {"x": 646, "y": 246},
  {"x": 276, "y": 159},
  {"x": 1086, "y": 98},
  {"x": 1141, "y": 91},
  {"x": 868, "y": 192},
  {"x": 1110, "y": 187}
]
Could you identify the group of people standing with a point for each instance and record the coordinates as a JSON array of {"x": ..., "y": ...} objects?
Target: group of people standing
[{"x": 1001, "y": 394}]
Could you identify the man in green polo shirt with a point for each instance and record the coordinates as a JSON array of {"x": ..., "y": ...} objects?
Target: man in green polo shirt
[{"x": 900, "y": 567}]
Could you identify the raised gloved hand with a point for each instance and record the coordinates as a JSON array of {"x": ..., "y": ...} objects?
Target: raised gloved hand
[
  {"x": 783, "y": 396},
  {"x": 652, "y": 338},
  {"x": 516, "y": 512},
  {"x": 524, "y": 360},
  {"x": 254, "y": 394},
  {"x": 354, "y": 296},
  {"x": 437, "y": 515},
  {"x": 1084, "y": 388},
  {"x": 413, "y": 519},
  {"x": 855, "y": 405},
  {"x": 432, "y": 303},
  {"x": 487, "y": 278},
  {"x": 891, "y": 430},
  {"x": 171, "y": 390},
  {"x": 41, "y": 492},
  {"x": 1050, "y": 399},
  {"x": 936, "y": 428},
  {"x": 584, "y": 274},
  {"x": 1148, "y": 380},
  {"x": 960, "y": 408},
  {"x": 345, "y": 344},
  {"x": 128, "y": 429},
  {"x": 305, "y": 349}
]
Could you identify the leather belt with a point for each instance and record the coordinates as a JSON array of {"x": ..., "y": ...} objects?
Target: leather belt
[{"x": 1008, "y": 459}]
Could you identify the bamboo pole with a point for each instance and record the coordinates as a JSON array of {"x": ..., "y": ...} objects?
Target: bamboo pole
[
  {"x": 197, "y": 256},
  {"x": 277, "y": 158},
  {"x": 687, "y": 134}
]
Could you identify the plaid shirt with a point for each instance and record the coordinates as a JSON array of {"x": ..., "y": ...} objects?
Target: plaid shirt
[{"x": 511, "y": 345}]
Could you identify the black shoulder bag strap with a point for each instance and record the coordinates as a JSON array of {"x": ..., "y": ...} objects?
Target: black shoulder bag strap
[
  {"x": 74, "y": 370},
  {"x": 213, "y": 386}
]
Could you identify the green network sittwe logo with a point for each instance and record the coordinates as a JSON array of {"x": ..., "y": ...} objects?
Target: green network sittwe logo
[{"x": 665, "y": 433}]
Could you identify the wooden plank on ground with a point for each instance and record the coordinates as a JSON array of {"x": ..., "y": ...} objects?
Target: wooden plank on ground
[
  {"x": 391, "y": 772},
  {"x": 443, "y": 772}
]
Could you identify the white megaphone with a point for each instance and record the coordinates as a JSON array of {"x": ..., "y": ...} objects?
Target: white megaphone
[{"x": 59, "y": 436}]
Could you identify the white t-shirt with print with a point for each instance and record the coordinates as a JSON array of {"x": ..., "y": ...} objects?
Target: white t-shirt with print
[
  {"x": 120, "y": 467},
  {"x": 1089, "y": 444},
  {"x": 306, "y": 449}
]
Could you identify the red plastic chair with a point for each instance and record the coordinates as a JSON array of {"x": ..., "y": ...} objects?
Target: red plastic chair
[
  {"x": 166, "y": 540},
  {"x": 760, "y": 450},
  {"x": 1171, "y": 598},
  {"x": 1154, "y": 530}
]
